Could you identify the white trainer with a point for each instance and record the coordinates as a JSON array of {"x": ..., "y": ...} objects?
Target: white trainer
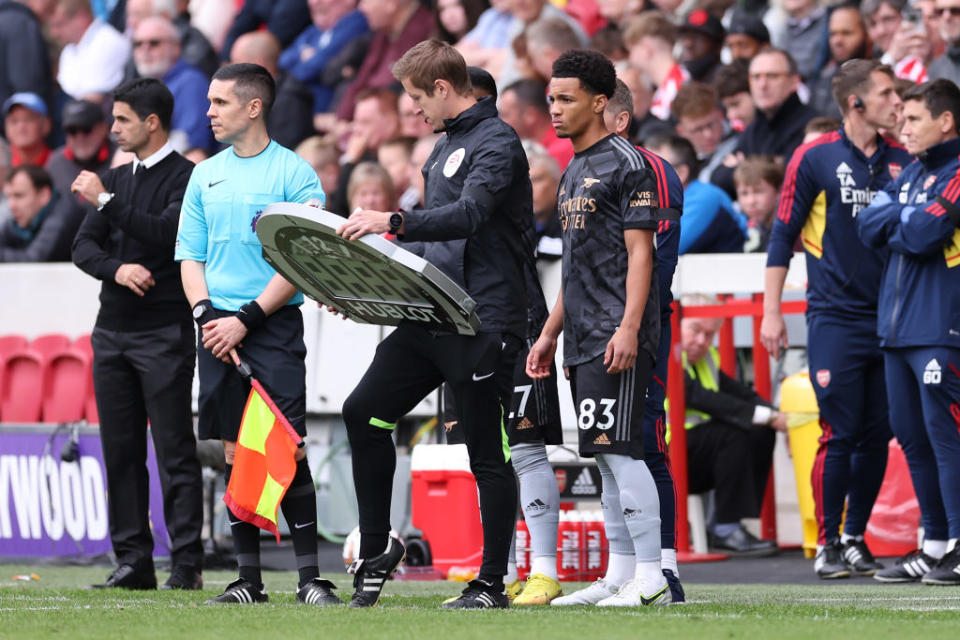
[
  {"x": 631, "y": 595},
  {"x": 589, "y": 595}
]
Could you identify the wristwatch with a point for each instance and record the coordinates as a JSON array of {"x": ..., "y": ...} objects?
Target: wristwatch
[
  {"x": 202, "y": 312},
  {"x": 396, "y": 221},
  {"x": 103, "y": 199}
]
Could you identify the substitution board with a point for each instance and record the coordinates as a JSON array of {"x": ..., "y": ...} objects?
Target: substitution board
[{"x": 369, "y": 280}]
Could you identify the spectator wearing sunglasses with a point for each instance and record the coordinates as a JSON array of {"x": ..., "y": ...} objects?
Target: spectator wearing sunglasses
[
  {"x": 88, "y": 145},
  {"x": 157, "y": 55},
  {"x": 948, "y": 65}
]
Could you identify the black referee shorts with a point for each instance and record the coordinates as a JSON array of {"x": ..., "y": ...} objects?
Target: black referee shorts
[{"x": 275, "y": 352}]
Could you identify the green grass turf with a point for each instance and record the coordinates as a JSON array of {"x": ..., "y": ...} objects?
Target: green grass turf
[{"x": 58, "y": 606}]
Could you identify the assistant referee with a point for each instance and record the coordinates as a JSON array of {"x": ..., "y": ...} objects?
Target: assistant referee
[{"x": 239, "y": 301}]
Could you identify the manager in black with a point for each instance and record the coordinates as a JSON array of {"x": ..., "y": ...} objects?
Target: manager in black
[{"x": 143, "y": 340}]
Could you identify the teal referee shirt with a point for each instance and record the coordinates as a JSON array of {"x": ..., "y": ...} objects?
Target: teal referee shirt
[{"x": 224, "y": 199}]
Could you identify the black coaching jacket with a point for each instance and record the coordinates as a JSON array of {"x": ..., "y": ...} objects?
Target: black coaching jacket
[{"x": 478, "y": 210}]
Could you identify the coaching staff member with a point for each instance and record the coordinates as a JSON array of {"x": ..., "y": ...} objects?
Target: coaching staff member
[
  {"x": 917, "y": 218},
  {"x": 143, "y": 339},
  {"x": 477, "y": 197},
  {"x": 239, "y": 301},
  {"x": 828, "y": 182}
]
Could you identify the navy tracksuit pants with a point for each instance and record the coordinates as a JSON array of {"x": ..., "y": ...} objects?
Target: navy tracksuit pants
[
  {"x": 654, "y": 439},
  {"x": 924, "y": 388},
  {"x": 846, "y": 369}
]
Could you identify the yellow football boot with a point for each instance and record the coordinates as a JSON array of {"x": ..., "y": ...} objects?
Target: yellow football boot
[{"x": 539, "y": 589}]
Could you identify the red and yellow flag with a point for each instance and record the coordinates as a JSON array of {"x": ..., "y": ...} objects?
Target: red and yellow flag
[{"x": 263, "y": 463}]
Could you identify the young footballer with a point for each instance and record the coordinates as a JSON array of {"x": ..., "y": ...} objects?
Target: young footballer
[{"x": 609, "y": 211}]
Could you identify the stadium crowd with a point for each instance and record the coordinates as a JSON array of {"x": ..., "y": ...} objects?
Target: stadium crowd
[
  {"x": 725, "y": 91},
  {"x": 729, "y": 80}
]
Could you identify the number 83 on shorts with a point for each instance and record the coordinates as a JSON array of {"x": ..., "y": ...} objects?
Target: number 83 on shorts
[{"x": 610, "y": 406}]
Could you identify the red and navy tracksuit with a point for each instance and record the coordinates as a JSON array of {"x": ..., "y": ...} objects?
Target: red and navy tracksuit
[
  {"x": 670, "y": 189},
  {"x": 827, "y": 182},
  {"x": 916, "y": 217}
]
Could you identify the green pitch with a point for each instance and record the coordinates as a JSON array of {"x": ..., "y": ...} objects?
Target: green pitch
[{"x": 57, "y": 605}]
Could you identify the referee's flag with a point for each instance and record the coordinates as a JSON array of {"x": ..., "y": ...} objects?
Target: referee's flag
[{"x": 263, "y": 462}]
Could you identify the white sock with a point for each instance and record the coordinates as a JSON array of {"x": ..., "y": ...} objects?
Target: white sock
[
  {"x": 649, "y": 573},
  {"x": 511, "y": 573},
  {"x": 546, "y": 565},
  {"x": 951, "y": 544},
  {"x": 935, "y": 548},
  {"x": 668, "y": 560},
  {"x": 846, "y": 537},
  {"x": 620, "y": 568}
]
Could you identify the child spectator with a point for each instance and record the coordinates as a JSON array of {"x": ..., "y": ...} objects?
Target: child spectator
[
  {"x": 395, "y": 155},
  {"x": 370, "y": 187},
  {"x": 758, "y": 180},
  {"x": 733, "y": 86},
  {"x": 819, "y": 126}
]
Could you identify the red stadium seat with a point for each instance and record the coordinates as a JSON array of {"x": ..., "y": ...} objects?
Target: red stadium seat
[
  {"x": 21, "y": 395},
  {"x": 50, "y": 345},
  {"x": 83, "y": 345},
  {"x": 65, "y": 385},
  {"x": 11, "y": 343}
]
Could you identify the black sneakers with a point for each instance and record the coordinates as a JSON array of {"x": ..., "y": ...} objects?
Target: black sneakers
[
  {"x": 369, "y": 574},
  {"x": 240, "y": 592},
  {"x": 319, "y": 592},
  {"x": 676, "y": 589},
  {"x": 947, "y": 571},
  {"x": 829, "y": 563},
  {"x": 859, "y": 558},
  {"x": 185, "y": 578},
  {"x": 909, "y": 568},
  {"x": 127, "y": 577},
  {"x": 479, "y": 595}
]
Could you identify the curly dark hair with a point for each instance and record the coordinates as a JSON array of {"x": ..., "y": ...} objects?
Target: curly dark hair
[{"x": 593, "y": 69}]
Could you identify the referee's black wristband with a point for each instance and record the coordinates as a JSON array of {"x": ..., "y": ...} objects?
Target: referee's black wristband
[
  {"x": 251, "y": 315},
  {"x": 203, "y": 312}
]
